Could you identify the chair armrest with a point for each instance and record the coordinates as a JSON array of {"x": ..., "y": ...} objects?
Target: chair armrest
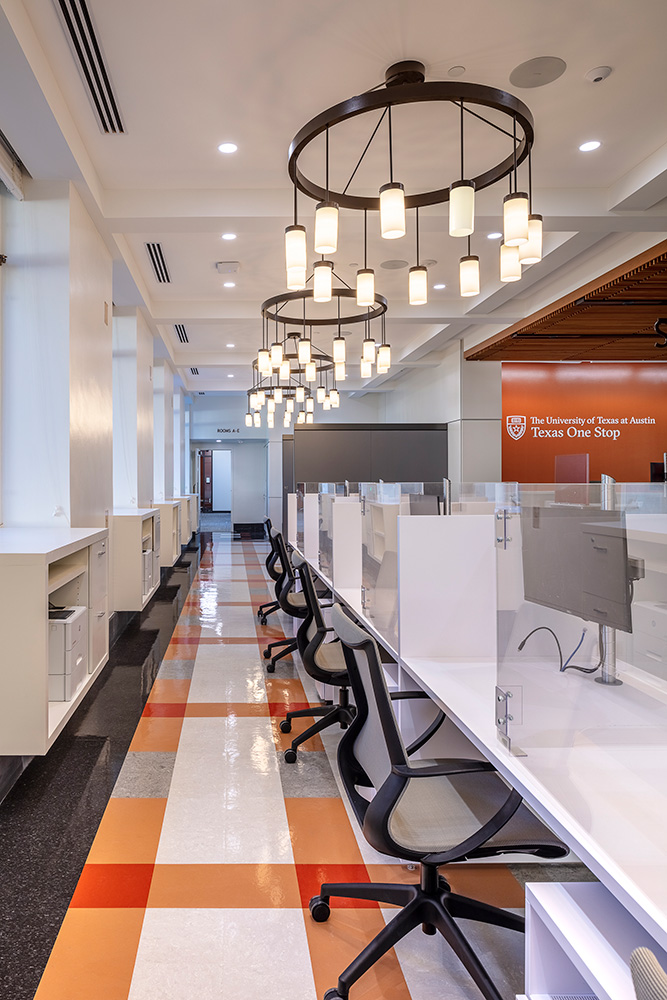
[
  {"x": 443, "y": 768},
  {"x": 402, "y": 695},
  {"x": 326, "y": 605}
]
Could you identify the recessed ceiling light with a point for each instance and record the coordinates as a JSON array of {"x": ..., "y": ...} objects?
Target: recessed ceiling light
[
  {"x": 230, "y": 345},
  {"x": 227, "y": 147},
  {"x": 494, "y": 236},
  {"x": 230, "y": 376},
  {"x": 456, "y": 70},
  {"x": 588, "y": 147},
  {"x": 229, "y": 236},
  {"x": 230, "y": 284},
  {"x": 439, "y": 287}
]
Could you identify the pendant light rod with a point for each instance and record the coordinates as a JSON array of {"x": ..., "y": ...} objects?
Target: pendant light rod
[
  {"x": 295, "y": 196},
  {"x": 417, "y": 227},
  {"x": 326, "y": 145},
  {"x": 365, "y": 240},
  {"x": 391, "y": 150},
  {"x": 530, "y": 182},
  {"x": 516, "y": 186},
  {"x": 462, "y": 165},
  {"x": 360, "y": 160}
]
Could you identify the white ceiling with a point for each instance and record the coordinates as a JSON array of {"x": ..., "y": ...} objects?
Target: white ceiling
[{"x": 188, "y": 77}]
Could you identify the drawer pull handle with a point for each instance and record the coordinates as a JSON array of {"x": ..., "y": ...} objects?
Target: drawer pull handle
[
  {"x": 100, "y": 614},
  {"x": 653, "y": 656}
]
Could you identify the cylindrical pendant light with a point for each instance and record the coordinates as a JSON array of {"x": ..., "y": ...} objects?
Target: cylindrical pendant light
[
  {"x": 326, "y": 405},
  {"x": 392, "y": 211},
  {"x": 469, "y": 275},
  {"x": 366, "y": 287},
  {"x": 334, "y": 396},
  {"x": 310, "y": 418},
  {"x": 296, "y": 279},
  {"x": 261, "y": 397},
  {"x": 383, "y": 359},
  {"x": 257, "y": 419},
  {"x": 368, "y": 350},
  {"x": 310, "y": 404},
  {"x": 270, "y": 405},
  {"x": 366, "y": 369},
  {"x": 510, "y": 265},
  {"x": 278, "y": 394},
  {"x": 326, "y": 227},
  {"x": 418, "y": 286},
  {"x": 462, "y": 208},
  {"x": 270, "y": 420},
  {"x": 311, "y": 371},
  {"x": 263, "y": 361},
  {"x": 515, "y": 218},
  {"x": 339, "y": 350},
  {"x": 322, "y": 280},
  {"x": 248, "y": 419},
  {"x": 289, "y": 405},
  {"x": 531, "y": 252},
  {"x": 295, "y": 247},
  {"x": 305, "y": 345},
  {"x": 300, "y": 393},
  {"x": 320, "y": 394},
  {"x": 339, "y": 371},
  {"x": 287, "y": 420},
  {"x": 301, "y": 417},
  {"x": 276, "y": 354},
  {"x": 284, "y": 370},
  {"x": 253, "y": 401}
]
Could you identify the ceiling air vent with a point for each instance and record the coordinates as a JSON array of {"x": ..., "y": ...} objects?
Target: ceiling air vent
[
  {"x": 158, "y": 262},
  {"x": 181, "y": 333},
  {"x": 201, "y": 393},
  {"x": 195, "y": 371},
  {"x": 78, "y": 24}
]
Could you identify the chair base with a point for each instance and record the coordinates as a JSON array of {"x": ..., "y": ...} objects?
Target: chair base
[
  {"x": 340, "y": 714},
  {"x": 431, "y": 904},
  {"x": 264, "y": 610},
  {"x": 289, "y": 646}
]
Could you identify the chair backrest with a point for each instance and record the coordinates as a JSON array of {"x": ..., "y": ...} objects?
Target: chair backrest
[
  {"x": 374, "y": 734},
  {"x": 274, "y": 561},
  {"x": 308, "y": 628},
  {"x": 648, "y": 976},
  {"x": 287, "y": 582}
]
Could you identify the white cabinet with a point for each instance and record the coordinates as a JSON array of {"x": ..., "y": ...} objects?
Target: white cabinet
[
  {"x": 186, "y": 527},
  {"x": 135, "y": 549},
  {"x": 42, "y": 568},
  {"x": 170, "y": 531},
  {"x": 194, "y": 511}
]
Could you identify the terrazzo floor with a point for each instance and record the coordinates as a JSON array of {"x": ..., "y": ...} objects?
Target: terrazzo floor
[{"x": 198, "y": 880}]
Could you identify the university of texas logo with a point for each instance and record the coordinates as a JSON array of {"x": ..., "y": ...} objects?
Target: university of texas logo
[{"x": 516, "y": 427}]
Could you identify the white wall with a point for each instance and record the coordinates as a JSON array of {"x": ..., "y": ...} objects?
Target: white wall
[
  {"x": 132, "y": 409},
  {"x": 249, "y": 482},
  {"x": 222, "y": 480},
  {"x": 163, "y": 431}
]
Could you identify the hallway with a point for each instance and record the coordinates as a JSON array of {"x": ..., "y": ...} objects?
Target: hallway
[{"x": 198, "y": 881}]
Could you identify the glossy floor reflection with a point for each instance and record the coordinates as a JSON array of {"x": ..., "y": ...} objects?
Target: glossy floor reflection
[{"x": 198, "y": 880}]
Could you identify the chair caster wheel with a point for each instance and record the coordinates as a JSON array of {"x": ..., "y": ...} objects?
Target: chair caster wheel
[
  {"x": 319, "y": 911},
  {"x": 333, "y": 995},
  {"x": 290, "y": 756},
  {"x": 286, "y": 726},
  {"x": 263, "y": 621},
  {"x": 266, "y": 654},
  {"x": 270, "y": 668}
]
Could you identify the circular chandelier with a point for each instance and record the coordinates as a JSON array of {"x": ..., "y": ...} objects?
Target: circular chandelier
[
  {"x": 405, "y": 85},
  {"x": 292, "y": 370}
]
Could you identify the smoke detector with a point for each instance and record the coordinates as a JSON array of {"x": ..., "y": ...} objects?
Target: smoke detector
[
  {"x": 598, "y": 74},
  {"x": 228, "y": 266}
]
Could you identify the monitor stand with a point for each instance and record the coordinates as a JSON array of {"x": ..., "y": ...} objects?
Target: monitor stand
[{"x": 608, "y": 672}]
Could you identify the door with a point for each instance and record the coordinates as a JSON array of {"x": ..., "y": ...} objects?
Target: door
[
  {"x": 206, "y": 480},
  {"x": 222, "y": 481}
]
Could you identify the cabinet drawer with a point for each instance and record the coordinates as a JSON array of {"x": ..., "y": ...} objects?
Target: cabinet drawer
[
  {"x": 99, "y": 572},
  {"x": 99, "y": 634}
]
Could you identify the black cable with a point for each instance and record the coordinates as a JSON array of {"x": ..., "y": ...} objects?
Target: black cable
[
  {"x": 546, "y": 629},
  {"x": 590, "y": 670}
]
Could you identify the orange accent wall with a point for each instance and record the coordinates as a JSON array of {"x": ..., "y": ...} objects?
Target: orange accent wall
[{"x": 617, "y": 413}]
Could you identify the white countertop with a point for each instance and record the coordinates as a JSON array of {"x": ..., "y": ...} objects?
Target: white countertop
[
  {"x": 51, "y": 543},
  {"x": 141, "y": 512}
]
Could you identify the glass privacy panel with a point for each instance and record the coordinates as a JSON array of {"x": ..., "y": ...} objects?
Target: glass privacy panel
[
  {"x": 325, "y": 556},
  {"x": 301, "y": 490},
  {"x": 582, "y": 621},
  {"x": 481, "y": 498},
  {"x": 380, "y": 508}
]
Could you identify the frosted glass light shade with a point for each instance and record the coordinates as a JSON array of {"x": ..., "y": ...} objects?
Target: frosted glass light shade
[
  {"x": 469, "y": 275},
  {"x": 392, "y": 211},
  {"x": 270, "y": 420},
  {"x": 289, "y": 405},
  {"x": 366, "y": 369},
  {"x": 257, "y": 419},
  {"x": 310, "y": 419},
  {"x": 301, "y": 417},
  {"x": 339, "y": 350},
  {"x": 418, "y": 286},
  {"x": 300, "y": 393},
  {"x": 253, "y": 401},
  {"x": 322, "y": 280},
  {"x": 284, "y": 370},
  {"x": 339, "y": 371},
  {"x": 270, "y": 405},
  {"x": 462, "y": 208},
  {"x": 263, "y": 361},
  {"x": 326, "y": 227},
  {"x": 510, "y": 265},
  {"x": 366, "y": 287},
  {"x": 310, "y": 404},
  {"x": 276, "y": 354},
  {"x": 326, "y": 405},
  {"x": 531, "y": 252},
  {"x": 383, "y": 359},
  {"x": 311, "y": 371},
  {"x": 368, "y": 350},
  {"x": 296, "y": 254},
  {"x": 261, "y": 397},
  {"x": 334, "y": 396},
  {"x": 287, "y": 420},
  {"x": 515, "y": 219},
  {"x": 248, "y": 419},
  {"x": 296, "y": 278},
  {"x": 278, "y": 394},
  {"x": 304, "y": 351},
  {"x": 320, "y": 394}
]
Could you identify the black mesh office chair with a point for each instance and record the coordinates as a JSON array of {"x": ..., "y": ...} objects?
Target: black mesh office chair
[
  {"x": 289, "y": 600},
  {"x": 323, "y": 661},
  {"x": 275, "y": 570},
  {"x": 433, "y": 813}
]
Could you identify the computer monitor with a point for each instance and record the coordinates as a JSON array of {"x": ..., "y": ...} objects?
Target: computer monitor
[
  {"x": 658, "y": 474},
  {"x": 575, "y": 559}
]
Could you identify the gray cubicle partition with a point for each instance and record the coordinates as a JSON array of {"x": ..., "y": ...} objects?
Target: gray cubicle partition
[{"x": 366, "y": 453}]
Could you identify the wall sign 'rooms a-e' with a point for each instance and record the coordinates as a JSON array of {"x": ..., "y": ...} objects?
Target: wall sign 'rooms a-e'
[{"x": 615, "y": 413}]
